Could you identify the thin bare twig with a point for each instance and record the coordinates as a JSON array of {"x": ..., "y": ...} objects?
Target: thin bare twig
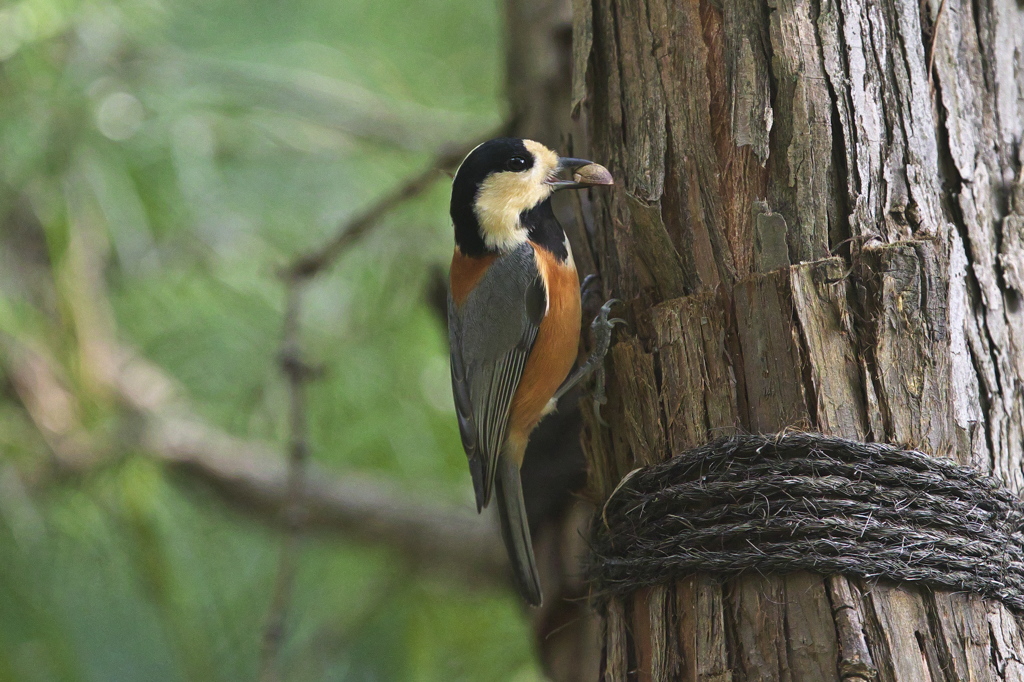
[{"x": 296, "y": 374}]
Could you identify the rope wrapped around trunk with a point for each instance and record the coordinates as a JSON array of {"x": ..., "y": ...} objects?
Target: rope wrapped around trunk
[{"x": 808, "y": 502}]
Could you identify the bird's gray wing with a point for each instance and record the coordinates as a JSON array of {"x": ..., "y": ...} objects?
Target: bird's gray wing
[{"x": 491, "y": 335}]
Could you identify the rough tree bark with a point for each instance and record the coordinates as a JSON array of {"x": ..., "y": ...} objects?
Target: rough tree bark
[{"x": 818, "y": 223}]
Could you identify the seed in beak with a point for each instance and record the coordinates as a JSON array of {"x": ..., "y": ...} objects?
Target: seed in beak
[{"x": 593, "y": 174}]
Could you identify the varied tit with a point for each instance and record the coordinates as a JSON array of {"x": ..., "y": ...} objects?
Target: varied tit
[{"x": 513, "y": 318}]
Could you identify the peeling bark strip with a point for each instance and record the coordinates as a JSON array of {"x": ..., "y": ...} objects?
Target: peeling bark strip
[{"x": 812, "y": 228}]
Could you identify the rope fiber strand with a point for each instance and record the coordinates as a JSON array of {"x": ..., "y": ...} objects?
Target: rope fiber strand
[{"x": 808, "y": 502}]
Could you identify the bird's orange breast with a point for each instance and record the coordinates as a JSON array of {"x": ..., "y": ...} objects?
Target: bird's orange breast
[{"x": 554, "y": 351}]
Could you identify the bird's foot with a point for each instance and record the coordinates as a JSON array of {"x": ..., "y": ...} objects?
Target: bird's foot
[{"x": 602, "y": 327}]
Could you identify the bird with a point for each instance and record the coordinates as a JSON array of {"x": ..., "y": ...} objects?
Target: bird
[{"x": 514, "y": 317}]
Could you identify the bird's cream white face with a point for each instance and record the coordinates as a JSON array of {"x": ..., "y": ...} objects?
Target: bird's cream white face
[{"x": 504, "y": 196}]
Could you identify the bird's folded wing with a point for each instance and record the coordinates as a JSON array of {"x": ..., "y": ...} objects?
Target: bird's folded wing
[{"x": 491, "y": 336}]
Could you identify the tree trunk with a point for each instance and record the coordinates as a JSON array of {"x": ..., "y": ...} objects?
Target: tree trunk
[{"x": 818, "y": 223}]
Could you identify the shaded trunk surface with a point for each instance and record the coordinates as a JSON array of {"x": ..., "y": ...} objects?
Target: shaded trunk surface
[{"x": 818, "y": 224}]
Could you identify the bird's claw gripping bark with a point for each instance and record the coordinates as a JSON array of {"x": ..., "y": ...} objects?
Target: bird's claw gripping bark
[{"x": 602, "y": 327}]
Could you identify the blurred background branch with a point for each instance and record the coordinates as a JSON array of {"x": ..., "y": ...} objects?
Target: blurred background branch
[{"x": 249, "y": 475}]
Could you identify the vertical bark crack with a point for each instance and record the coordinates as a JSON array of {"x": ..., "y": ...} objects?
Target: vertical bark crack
[
  {"x": 946, "y": 667},
  {"x": 804, "y": 353}
]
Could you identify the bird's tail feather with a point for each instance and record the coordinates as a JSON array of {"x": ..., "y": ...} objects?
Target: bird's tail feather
[{"x": 515, "y": 530}]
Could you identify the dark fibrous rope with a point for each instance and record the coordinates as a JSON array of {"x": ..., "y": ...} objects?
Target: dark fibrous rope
[{"x": 804, "y": 501}]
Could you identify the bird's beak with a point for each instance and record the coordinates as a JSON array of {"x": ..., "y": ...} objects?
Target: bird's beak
[{"x": 584, "y": 174}]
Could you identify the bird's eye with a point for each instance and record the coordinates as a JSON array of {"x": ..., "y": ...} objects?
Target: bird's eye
[{"x": 516, "y": 163}]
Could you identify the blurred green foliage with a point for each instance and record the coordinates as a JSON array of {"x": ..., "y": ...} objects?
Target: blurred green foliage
[{"x": 159, "y": 160}]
